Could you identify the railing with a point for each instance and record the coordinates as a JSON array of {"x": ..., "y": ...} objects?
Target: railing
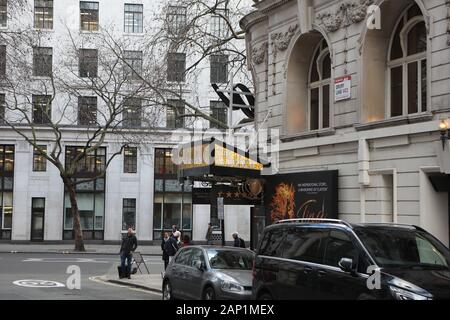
[{"x": 316, "y": 220}]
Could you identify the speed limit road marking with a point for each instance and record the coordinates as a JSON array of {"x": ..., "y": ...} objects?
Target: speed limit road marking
[{"x": 38, "y": 283}]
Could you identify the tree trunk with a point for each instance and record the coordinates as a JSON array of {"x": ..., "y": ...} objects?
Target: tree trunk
[{"x": 79, "y": 242}]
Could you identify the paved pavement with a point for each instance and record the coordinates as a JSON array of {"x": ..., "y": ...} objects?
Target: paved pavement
[
  {"x": 150, "y": 282},
  {"x": 20, "y": 274},
  {"x": 69, "y": 249}
]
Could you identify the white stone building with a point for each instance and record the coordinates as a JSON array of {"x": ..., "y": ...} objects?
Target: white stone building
[
  {"x": 33, "y": 205},
  {"x": 383, "y": 135}
]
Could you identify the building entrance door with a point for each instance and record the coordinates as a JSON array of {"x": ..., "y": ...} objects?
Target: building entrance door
[{"x": 37, "y": 219}]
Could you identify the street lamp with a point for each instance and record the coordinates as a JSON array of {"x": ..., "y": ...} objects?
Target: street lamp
[{"x": 445, "y": 133}]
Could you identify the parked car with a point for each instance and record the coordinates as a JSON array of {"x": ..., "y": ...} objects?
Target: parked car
[
  {"x": 209, "y": 273},
  {"x": 330, "y": 259}
]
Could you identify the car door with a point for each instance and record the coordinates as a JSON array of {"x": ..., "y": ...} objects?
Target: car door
[
  {"x": 267, "y": 262},
  {"x": 335, "y": 283},
  {"x": 297, "y": 275},
  {"x": 178, "y": 272},
  {"x": 194, "y": 276}
]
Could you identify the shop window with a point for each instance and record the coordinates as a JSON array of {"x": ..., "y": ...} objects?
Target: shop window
[{"x": 6, "y": 190}]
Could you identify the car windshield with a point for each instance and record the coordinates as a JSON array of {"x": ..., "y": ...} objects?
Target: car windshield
[
  {"x": 230, "y": 259},
  {"x": 398, "y": 248}
]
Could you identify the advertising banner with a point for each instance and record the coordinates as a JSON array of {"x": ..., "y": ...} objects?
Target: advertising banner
[{"x": 302, "y": 195}]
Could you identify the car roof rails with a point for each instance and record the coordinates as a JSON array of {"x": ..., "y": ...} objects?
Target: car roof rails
[{"x": 315, "y": 220}]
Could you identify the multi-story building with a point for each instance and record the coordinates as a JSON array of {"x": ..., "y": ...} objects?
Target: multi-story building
[
  {"x": 140, "y": 188},
  {"x": 367, "y": 97}
]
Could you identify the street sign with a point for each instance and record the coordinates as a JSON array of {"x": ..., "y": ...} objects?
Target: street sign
[
  {"x": 220, "y": 208},
  {"x": 342, "y": 88}
]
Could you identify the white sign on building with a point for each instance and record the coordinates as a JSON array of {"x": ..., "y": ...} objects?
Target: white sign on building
[{"x": 342, "y": 88}]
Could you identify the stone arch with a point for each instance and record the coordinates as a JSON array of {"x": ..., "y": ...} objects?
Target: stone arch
[
  {"x": 299, "y": 57},
  {"x": 374, "y": 49}
]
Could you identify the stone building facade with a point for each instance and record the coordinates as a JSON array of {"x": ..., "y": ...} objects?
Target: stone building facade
[{"x": 383, "y": 135}]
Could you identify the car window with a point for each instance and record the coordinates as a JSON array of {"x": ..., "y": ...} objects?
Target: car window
[
  {"x": 404, "y": 248},
  {"x": 271, "y": 243},
  {"x": 230, "y": 259},
  {"x": 197, "y": 255},
  {"x": 339, "y": 245},
  {"x": 303, "y": 244},
  {"x": 184, "y": 257}
]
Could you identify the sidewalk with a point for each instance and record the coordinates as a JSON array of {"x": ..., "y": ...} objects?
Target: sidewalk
[
  {"x": 68, "y": 249},
  {"x": 150, "y": 282}
]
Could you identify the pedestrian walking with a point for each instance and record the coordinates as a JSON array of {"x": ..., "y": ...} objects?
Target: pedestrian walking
[
  {"x": 129, "y": 245},
  {"x": 238, "y": 242},
  {"x": 174, "y": 228},
  {"x": 165, "y": 256},
  {"x": 208, "y": 236},
  {"x": 172, "y": 245}
]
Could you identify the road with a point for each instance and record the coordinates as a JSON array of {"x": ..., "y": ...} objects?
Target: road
[{"x": 53, "y": 267}]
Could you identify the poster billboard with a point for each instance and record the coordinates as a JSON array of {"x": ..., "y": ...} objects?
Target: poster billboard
[{"x": 302, "y": 195}]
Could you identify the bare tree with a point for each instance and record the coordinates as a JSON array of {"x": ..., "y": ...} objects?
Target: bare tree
[{"x": 87, "y": 91}]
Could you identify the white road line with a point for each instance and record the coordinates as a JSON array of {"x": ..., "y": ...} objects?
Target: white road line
[{"x": 64, "y": 260}]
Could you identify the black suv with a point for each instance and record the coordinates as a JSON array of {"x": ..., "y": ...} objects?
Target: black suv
[{"x": 331, "y": 259}]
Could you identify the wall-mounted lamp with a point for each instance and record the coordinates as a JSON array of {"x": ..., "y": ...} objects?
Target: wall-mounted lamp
[{"x": 445, "y": 133}]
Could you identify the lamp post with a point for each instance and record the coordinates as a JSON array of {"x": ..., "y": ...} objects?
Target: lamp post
[{"x": 445, "y": 133}]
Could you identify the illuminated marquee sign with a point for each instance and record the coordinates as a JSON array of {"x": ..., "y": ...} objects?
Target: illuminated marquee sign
[{"x": 217, "y": 154}]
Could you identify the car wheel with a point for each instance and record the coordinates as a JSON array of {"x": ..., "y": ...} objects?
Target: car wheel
[
  {"x": 265, "y": 296},
  {"x": 209, "y": 294},
  {"x": 167, "y": 291}
]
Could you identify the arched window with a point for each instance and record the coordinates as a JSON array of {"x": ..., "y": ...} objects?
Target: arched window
[
  {"x": 407, "y": 65},
  {"x": 319, "y": 88}
]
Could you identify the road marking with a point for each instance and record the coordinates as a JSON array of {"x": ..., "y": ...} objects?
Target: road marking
[
  {"x": 38, "y": 283},
  {"x": 98, "y": 280},
  {"x": 65, "y": 260}
]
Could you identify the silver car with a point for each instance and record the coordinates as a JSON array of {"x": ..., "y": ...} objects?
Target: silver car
[{"x": 209, "y": 273}]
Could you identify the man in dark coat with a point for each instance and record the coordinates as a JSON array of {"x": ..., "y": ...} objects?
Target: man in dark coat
[
  {"x": 172, "y": 245},
  {"x": 129, "y": 245},
  {"x": 238, "y": 242},
  {"x": 165, "y": 256}
]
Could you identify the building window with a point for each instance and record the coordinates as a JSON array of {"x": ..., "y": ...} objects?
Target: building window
[
  {"x": 172, "y": 200},
  {"x": 3, "y": 13},
  {"x": 408, "y": 65},
  {"x": 2, "y": 60},
  {"x": 90, "y": 194},
  {"x": 218, "y": 112},
  {"x": 129, "y": 214},
  {"x": 39, "y": 160},
  {"x": 88, "y": 63},
  {"x": 87, "y": 111},
  {"x": 176, "y": 19},
  {"x": 43, "y": 14},
  {"x": 219, "y": 66},
  {"x": 92, "y": 164},
  {"x": 6, "y": 190},
  {"x": 176, "y": 67},
  {"x": 134, "y": 18},
  {"x": 42, "y": 109},
  {"x": 319, "y": 88},
  {"x": 2, "y": 108},
  {"x": 132, "y": 65},
  {"x": 42, "y": 62},
  {"x": 130, "y": 160},
  {"x": 175, "y": 114},
  {"x": 89, "y": 16},
  {"x": 218, "y": 25},
  {"x": 132, "y": 113}
]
